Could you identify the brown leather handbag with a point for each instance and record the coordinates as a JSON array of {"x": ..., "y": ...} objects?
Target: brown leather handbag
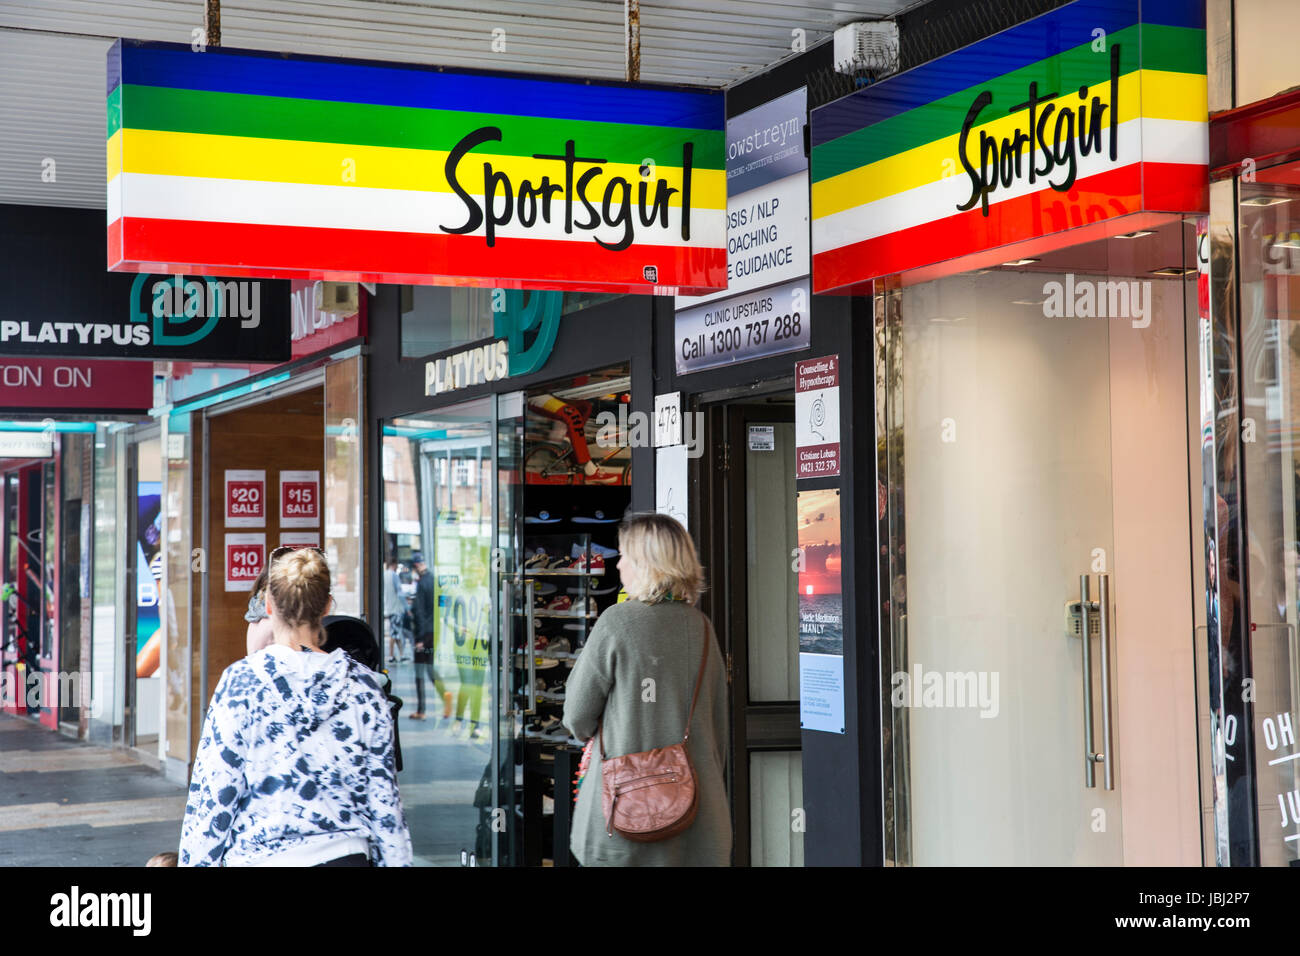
[{"x": 651, "y": 795}]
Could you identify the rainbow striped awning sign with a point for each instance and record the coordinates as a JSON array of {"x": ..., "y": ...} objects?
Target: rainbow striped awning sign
[
  {"x": 1091, "y": 112},
  {"x": 233, "y": 162}
]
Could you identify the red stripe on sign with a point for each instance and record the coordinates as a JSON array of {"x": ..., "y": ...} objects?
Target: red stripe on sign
[
  {"x": 227, "y": 249},
  {"x": 1171, "y": 187},
  {"x": 114, "y": 243}
]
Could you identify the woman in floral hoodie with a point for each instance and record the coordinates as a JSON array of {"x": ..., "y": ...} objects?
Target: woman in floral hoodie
[{"x": 295, "y": 765}]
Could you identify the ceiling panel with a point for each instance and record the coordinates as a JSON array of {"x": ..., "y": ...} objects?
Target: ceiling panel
[{"x": 52, "y": 68}]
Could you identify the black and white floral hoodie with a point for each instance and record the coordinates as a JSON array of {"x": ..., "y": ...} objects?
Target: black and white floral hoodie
[{"x": 295, "y": 766}]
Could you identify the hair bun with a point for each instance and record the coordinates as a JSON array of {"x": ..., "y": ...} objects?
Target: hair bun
[{"x": 299, "y": 584}]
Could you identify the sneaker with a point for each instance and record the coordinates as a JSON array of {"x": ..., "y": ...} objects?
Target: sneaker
[
  {"x": 418, "y": 716},
  {"x": 541, "y": 728},
  {"x": 594, "y": 565},
  {"x": 538, "y": 559},
  {"x": 558, "y": 648},
  {"x": 560, "y": 604}
]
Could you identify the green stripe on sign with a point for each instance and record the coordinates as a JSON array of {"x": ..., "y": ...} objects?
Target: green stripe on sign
[
  {"x": 114, "y": 111},
  {"x": 1173, "y": 49},
  {"x": 367, "y": 124}
]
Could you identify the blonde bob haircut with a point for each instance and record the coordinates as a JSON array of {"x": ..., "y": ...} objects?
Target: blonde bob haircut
[{"x": 663, "y": 561}]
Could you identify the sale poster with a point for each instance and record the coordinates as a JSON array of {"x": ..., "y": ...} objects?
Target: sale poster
[
  {"x": 245, "y": 558},
  {"x": 300, "y": 499},
  {"x": 821, "y": 612},
  {"x": 245, "y": 498},
  {"x": 300, "y": 539}
]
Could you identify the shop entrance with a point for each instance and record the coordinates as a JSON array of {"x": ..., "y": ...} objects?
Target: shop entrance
[
  {"x": 1035, "y": 431},
  {"x": 500, "y": 534},
  {"x": 748, "y": 538},
  {"x": 28, "y": 646}
]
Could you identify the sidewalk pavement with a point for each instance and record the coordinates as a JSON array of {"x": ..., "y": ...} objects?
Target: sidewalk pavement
[{"x": 64, "y": 802}]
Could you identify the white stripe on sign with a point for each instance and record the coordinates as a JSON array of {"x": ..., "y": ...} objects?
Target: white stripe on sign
[{"x": 148, "y": 196}]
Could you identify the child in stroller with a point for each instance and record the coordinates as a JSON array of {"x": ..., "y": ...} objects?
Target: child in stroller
[{"x": 358, "y": 641}]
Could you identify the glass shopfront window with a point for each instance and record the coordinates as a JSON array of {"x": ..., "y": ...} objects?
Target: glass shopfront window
[
  {"x": 108, "y": 586},
  {"x": 1269, "y": 302},
  {"x": 436, "y": 319},
  {"x": 438, "y": 533},
  {"x": 1039, "y": 593}
]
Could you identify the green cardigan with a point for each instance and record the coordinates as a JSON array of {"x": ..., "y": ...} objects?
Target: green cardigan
[{"x": 638, "y": 671}]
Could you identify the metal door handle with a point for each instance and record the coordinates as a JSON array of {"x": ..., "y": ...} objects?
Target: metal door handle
[
  {"x": 1107, "y": 756},
  {"x": 1085, "y": 619}
]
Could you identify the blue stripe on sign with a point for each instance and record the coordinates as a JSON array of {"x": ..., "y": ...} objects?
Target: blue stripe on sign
[
  {"x": 1174, "y": 13},
  {"x": 114, "y": 67},
  {"x": 361, "y": 81},
  {"x": 1029, "y": 42}
]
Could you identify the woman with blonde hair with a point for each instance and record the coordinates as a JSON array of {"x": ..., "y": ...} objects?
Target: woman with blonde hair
[
  {"x": 296, "y": 761},
  {"x": 633, "y": 686}
]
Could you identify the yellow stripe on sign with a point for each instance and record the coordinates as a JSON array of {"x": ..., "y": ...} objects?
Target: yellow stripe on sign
[
  {"x": 114, "y": 155},
  {"x": 1176, "y": 96},
  {"x": 208, "y": 156}
]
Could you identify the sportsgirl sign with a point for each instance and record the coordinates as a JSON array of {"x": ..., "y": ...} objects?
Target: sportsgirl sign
[
  {"x": 1097, "y": 111},
  {"x": 242, "y": 163}
]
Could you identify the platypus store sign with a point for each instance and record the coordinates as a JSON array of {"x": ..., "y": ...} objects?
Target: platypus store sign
[
  {"x": 230, "y": 162},
  {"x": 165, "y": 317},
  {"x": 1090, "y": 113}
]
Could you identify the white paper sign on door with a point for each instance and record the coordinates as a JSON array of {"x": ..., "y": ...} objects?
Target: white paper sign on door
[
  {"x": 300, "y": 539},
  {"x": 245, "y": 498},
  {"x": 671, "y": 477},
  {"x": 300, "y": 499},
  {"x": 245, "y": 558}
]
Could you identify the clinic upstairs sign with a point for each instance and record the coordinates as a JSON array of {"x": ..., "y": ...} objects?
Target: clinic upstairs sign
[
  {"x": 234, "y": 162},
  {"x": 1085, "y": 114}
]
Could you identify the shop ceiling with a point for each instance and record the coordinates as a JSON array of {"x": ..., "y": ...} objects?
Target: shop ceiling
[{"x": 52, "y": 66}]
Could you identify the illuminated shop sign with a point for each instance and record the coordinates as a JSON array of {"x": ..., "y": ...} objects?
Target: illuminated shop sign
[
  {"x": 237, "y": 162},
  {"x": 1093, "y": 111},
  {"x": 195, "y": 318}
]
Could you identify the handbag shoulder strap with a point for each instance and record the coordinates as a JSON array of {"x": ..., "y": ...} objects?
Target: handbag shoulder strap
[
  {"x": 699, "y": 679},
  {"x": 695, "y": 696}
]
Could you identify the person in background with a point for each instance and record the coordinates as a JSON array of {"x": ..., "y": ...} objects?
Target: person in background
[
  {"x": 394, "y": 612},
  {"x": 166, "y": 858},
  {"x": 259, "y": 633},
  {"x": 296, "y": 762},
  {"x": 424, "y": 611},
  {"x": 656, "y": 635}
]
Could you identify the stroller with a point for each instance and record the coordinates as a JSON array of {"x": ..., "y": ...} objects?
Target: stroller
[{"x": 358, "y": 640}]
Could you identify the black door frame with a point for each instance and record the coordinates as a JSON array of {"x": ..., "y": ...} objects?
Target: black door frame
[{"x": 769, "y": 726}]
